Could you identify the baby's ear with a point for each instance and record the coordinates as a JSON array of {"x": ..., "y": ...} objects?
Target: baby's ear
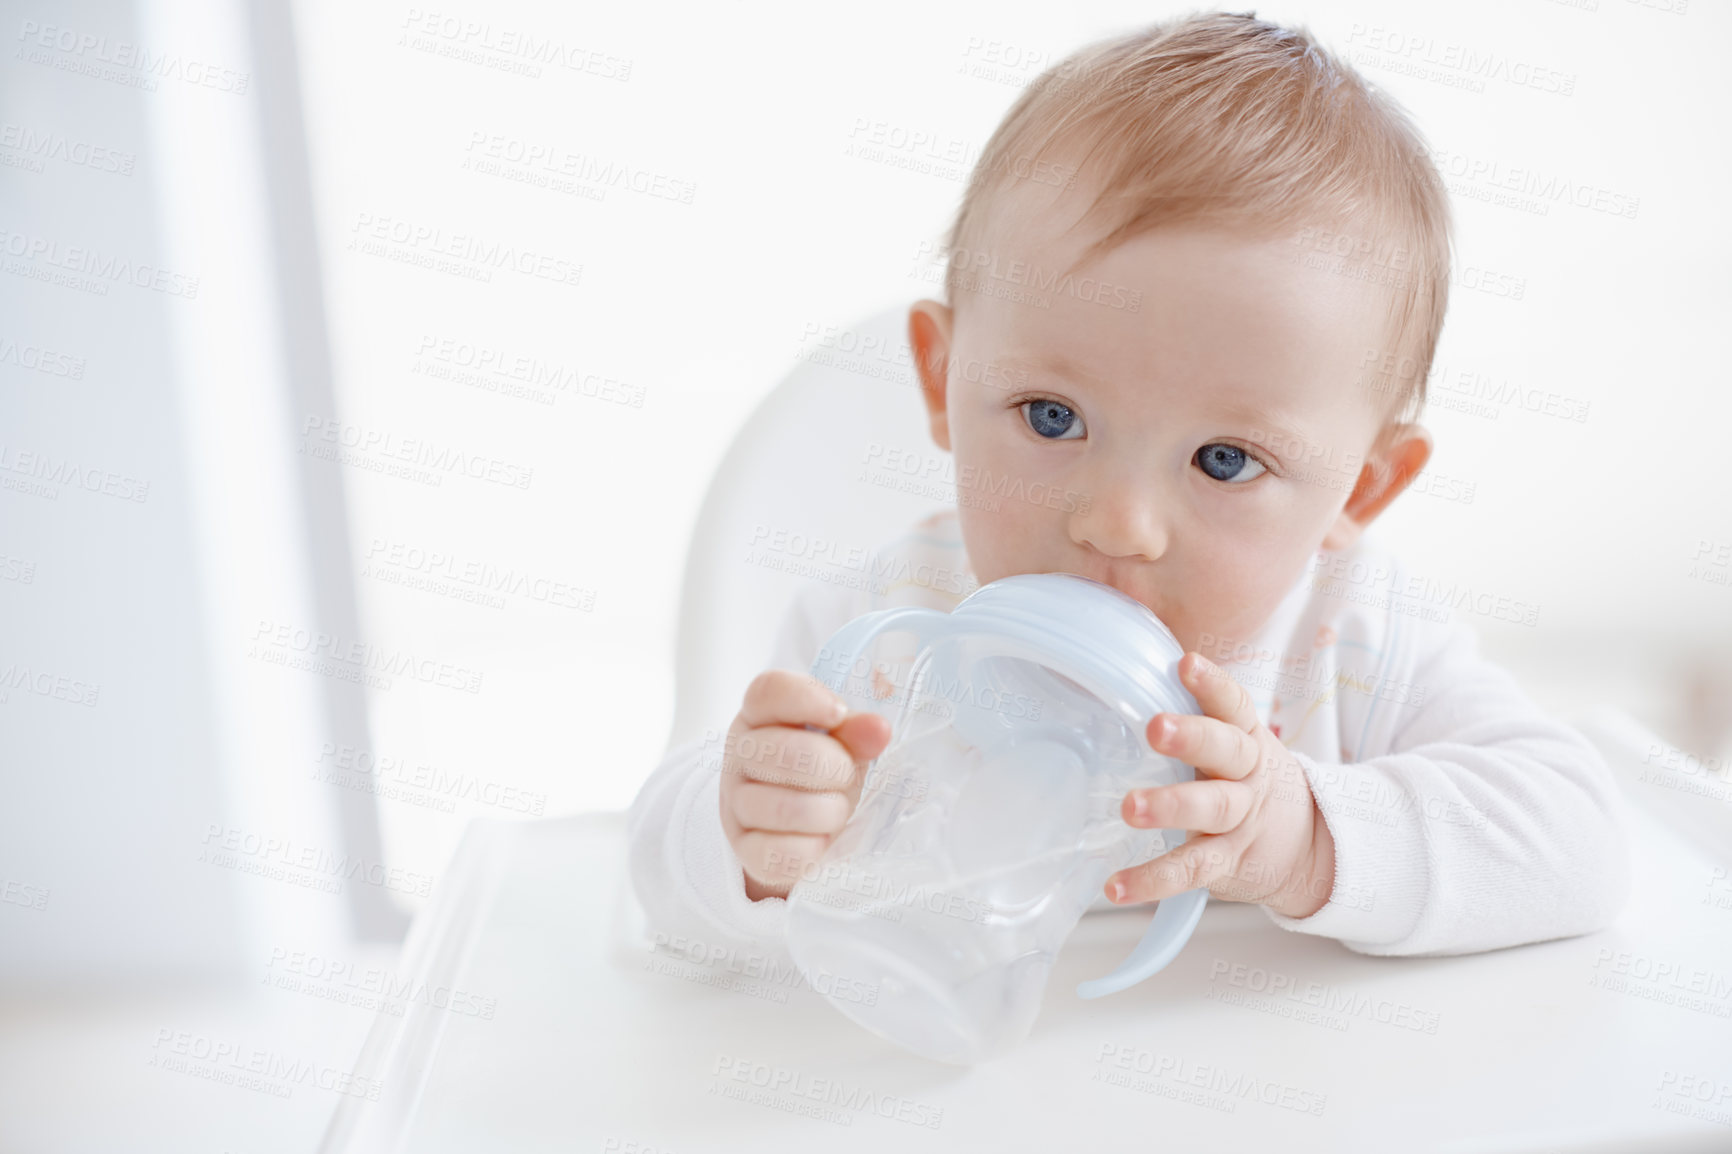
[
  {"x": 1394, "y": 461},
  {"x": 929, "y": 332}
]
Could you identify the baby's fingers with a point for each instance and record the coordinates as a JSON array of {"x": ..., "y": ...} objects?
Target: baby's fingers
[
  {"x": 1213, "y": 746},
  {"x": 782, "y": 697},
  {"x": 1191, "y": 866},
  {"x": 1218, "y": 694},
  {"x": 1205, "y": 806},
  {"x": 774, "y": 809},
  {"x": 864, "y": 735},
  {"x": 777, "y": 860},
  {"x": 795, "y": 758}
]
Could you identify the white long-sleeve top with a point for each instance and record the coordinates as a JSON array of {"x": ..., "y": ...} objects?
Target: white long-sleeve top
[{"x": 1464, "y": 818}]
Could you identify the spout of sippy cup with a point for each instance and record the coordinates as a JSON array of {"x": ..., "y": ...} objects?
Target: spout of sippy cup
[{"x": 1175, "y": 918}]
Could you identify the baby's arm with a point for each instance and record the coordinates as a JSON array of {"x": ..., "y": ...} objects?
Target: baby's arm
[
  {"x": 687, "y": 876},
  {"x": 1487, "y": 824}
]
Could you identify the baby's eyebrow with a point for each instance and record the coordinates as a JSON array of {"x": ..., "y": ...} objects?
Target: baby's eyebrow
[
  {"x": 1290, "y": 434},
  {"x": 1054, "y": 362},
  {"x": 1281, "y": 433}
]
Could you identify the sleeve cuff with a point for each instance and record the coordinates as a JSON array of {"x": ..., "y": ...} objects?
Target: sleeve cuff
[
  {"x": 1381, "y": 870},
  {"x": 713, "y": 871}
]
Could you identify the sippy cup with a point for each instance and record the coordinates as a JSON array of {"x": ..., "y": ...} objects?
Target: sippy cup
[{"x": 991, "y": 820}]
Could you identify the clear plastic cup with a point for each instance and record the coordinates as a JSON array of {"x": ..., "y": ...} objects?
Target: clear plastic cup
[{"x": 991, "y": 821}]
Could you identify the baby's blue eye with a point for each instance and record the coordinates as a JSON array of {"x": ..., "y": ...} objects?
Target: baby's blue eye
[
  {"x": 1227, "y": 462},
  {"x": 1051, "y": 419}
]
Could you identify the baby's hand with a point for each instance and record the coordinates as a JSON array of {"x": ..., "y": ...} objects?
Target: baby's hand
[
  {"x": 1268, "y": 842},
  {"x": 787, "y": 790}
]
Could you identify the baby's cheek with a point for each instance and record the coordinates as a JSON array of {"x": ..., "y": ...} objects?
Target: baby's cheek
[
  {"x": 996, "y": 538},
  {"x": 1223, "y": 616}
]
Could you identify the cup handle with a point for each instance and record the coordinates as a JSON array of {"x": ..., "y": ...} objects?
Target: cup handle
[
  {"x": 835, "y": 660},
  {"x": 1175, "y": 918}
]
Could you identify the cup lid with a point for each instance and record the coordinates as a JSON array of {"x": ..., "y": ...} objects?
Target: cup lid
[{"x": 1095, "y": 633}]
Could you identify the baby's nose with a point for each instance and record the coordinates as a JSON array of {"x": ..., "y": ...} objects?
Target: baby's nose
[{"x": 1121, "y": 521}]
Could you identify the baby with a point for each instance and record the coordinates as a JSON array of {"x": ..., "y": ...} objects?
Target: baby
[{"x": 1204, "y": 267}]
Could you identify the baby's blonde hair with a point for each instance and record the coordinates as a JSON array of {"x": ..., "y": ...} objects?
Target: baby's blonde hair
[{"x": 1226, "y": 119}]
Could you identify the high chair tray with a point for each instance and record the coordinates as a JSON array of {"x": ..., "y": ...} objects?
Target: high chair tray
[{"x": 600, "y": 1038}]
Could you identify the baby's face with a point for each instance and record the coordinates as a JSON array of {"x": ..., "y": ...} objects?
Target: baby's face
[{"x": 1193, "y": 453}]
